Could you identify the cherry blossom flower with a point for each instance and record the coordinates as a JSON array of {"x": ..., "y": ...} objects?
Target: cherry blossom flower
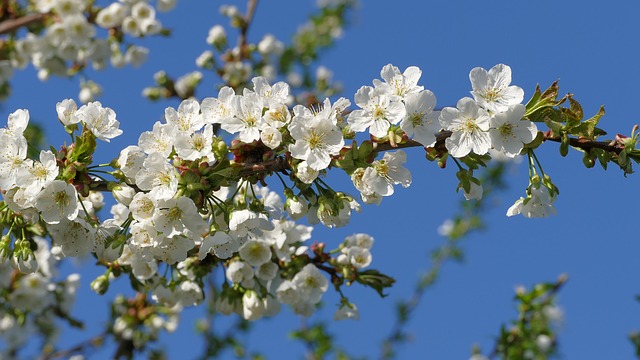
[
  {"x": 174, "y": 216},
  {"x": 159, "y": 140},
  {"x": 41, "y": 173},
  {"x": 311, "y": 283},
  {"x": 347, "y": 311},
  {"x": 538, "y": 205},
  {"x": 271, "y": 95},
  {"x": 509, "y": 132},
  {"x": 220, "y": 110},
  {"x": 247, "y": 120},
  {"x": 255, "y": 252},
  {"x": 469, "y": 125},
  {"x": 386, "y": 172},
  {"x": 130, "y": 161},
  {"x": 57, "y": 201},
  {"x": 73, "y": 237},
  {"x": 196, "y": 145},
  {"x": 378, "y": 112},
  {"x": 13, "y": 154},
  {"x": 187, "y": 119},
  {"x": 100, "y": 120},
  {"x": 158, "y": 176},
  {"x": 492, "y": 90},
  {"x": 420, "y": 122},
  {"x": 316, "y": 136},
  {"x": 212, "y": 243},
  {"x": 66, "y": 110},
  {"x": 16, "y": 123},
  {"x": 399, "y": 85}
]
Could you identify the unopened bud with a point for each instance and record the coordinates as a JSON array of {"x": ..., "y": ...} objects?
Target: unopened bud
[
  {"x": 100, "y": 285},
  {"x": 5, "y": 248}
]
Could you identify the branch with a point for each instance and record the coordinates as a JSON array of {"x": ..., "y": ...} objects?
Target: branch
[
  {"x": 81, "y": 347},
  {"x": 251, "y": 9},
  {"x": 586, "y": 144},
  {"x": 280, "y": 164},
  {"x": 10, "y": 25}
]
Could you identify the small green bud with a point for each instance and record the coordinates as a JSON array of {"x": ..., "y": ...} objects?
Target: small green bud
[
  {"x": 588, "y": 161},
  {"x": 100, "y": 285},
  {"x": 5, "y": 248},
  {"x": 564, "y": 145}
]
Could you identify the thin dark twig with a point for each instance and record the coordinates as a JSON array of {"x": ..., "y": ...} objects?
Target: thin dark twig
[
  {"x": 244, "y": 30},
  {"x": 89, "y": 343}
]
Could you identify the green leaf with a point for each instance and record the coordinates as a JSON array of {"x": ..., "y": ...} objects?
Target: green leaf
[
  {"x": 554, "y": 125},
  {"x": 603, "y": 157},
  {"x": 229, "y": 173},
  {"x": 575, "y": 107},
  {"x": 539, "y": 101},
  {"x": 588, "y": 127},
  {"x": 375, "y": 280}
]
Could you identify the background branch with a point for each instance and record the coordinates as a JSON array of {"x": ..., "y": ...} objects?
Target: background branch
[{"x": 10, "y": 25}]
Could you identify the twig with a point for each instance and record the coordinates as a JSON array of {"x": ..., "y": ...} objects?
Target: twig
[
  {"x": 280, "y": 163},
  {"x": 251, "y": 9},
  {"x": 92, "y": 342},
  {"x": 10, "y": 25},
  {"x": 586, "y": 144}
]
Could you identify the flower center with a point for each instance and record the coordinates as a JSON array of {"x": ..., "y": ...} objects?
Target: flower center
[
  {"x": 382, "y": 168},
  {"x": 61, "y": 198},
  {"x": 378, "y": 112},
  {"x": 175, "y": 213},
  {"x": 491, "y": 94},
  {"x": 198, "y": 143},
  {"x": 251, "y": 121},
  {"x": 417, "y": 119},
  {"x": 470, "y": 125},
  {"x": 40, "y": 172},
  {"x": 506, "y": 130},
  {"x": 315, "y": 140}
]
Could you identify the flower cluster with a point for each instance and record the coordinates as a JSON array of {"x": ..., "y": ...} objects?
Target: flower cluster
[
  {"x": 33, "y": 300},
  {"x": 69, "y": 38},
  {"x": 188, "y": 202}
]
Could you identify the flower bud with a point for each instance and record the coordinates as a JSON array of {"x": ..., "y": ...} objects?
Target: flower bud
[
  {"x": 5, "y": 248},
  {"x": 100, "y": 285},
  {"x": 23, "y": 257},
  {"x": 123, "y": 193},
  {"x": 217, "y": 36}
]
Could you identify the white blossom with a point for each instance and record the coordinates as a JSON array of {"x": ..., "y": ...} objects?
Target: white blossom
[
  {"x": 492, "y": 90},
  {"x": 100, "y": 120},
  {"x": 421, "y": 122},
  {"x": 57, "y": 201},
  {"x": 255, "y": 252},
  {"x": 469, "y": 125},
  {"x": 158, "y": 176},
  {"x": 399, "y": 85},
  {"x": 316, "y": 136},
  {"x": 386, "y": 172},
  {"x": 378, "y": 112},
  {"x": 187, "y": 119},
  {"x": 509, "y": 132}
]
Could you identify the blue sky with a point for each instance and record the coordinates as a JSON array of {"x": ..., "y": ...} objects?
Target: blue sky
[{"x": 591, "y": 47}]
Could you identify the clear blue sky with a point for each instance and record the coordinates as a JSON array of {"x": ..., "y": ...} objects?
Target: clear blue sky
[{"x": 590, "y": 46}]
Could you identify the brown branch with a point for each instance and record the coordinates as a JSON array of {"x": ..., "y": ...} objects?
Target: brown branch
[
  {"x": 586, "y": 144},
  {"x": 251, "y": 9},
  {"x": 10, "y": 25},
  {"x": 280, "y": 164},
  {"x": 276, "y": 165}
]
